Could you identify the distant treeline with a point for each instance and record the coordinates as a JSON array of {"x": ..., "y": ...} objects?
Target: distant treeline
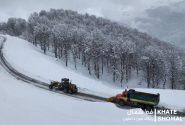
[{"x": 102, "y": 46}]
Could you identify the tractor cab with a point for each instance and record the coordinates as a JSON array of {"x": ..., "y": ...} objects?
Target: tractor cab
[
  {"x": 64, "y": 80},
  {"x": 65, "y": 83}
]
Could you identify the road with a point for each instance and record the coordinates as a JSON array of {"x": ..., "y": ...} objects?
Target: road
[
  {"x": 6, "y": 65},
  {"x": 80, "y": 95}
]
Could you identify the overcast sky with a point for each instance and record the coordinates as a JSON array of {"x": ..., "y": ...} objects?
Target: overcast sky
[
  {"x": 112, "y": 9},
  {"x": 134, "y": 13}
]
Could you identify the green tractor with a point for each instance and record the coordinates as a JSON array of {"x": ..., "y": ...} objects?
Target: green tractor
[{"x": 65, "y": 85}]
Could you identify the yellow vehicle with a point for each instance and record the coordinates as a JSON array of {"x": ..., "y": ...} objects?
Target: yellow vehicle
[{"x": 64, "y": 86}]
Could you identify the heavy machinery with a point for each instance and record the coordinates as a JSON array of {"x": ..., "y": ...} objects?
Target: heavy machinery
[
  {"x": 65, "y": 85},
  {"x": 136, "y": 99}
]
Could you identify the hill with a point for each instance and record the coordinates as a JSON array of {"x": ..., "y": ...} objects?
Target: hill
[{"x": 105, "y": 48}]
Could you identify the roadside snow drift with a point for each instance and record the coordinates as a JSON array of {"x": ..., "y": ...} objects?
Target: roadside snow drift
[{"x": 29, "y": 60}]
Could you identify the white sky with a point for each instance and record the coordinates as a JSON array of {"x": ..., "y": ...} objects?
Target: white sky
[{"x": 113, "y": 9}]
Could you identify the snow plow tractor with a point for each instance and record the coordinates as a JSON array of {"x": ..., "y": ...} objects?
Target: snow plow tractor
[
  {"x": 136, "y": 99},
  {"x": 65, "y": 85}
]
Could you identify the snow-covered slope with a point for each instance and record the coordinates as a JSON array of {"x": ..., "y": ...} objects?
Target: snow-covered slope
[
  {"x": 24, "y": 104},
  {"x": 31, "y": 61}
]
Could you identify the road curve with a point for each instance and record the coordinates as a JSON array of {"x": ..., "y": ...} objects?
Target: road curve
[
  {"x": 80, "y": 95},
  {"x": 7, "y": 66}
]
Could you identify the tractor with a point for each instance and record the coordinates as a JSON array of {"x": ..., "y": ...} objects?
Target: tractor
[
  {"x": 65, "y": 85},
  {"x": 136, "y": 99}
]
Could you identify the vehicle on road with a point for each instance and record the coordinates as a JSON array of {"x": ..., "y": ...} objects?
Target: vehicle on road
[
  {"x": 136, "y": 99},
  {"x": 65, "y": 85}
]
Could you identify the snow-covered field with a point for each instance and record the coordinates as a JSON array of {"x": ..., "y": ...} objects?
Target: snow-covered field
[{"x": 21, "y": 103}]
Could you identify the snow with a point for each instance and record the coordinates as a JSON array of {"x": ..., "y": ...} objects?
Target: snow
[
  {"x": 23, "y": 56},
  {"x": 47, "y": 69},
  {"x": 25, "y": 104}
]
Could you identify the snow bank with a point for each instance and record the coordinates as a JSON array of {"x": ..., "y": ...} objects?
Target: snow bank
[
  {"x": 31, "y": 61},
  {"x": 23, "y": 104}
]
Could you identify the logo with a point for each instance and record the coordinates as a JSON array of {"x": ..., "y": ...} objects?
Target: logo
[{"x": 155, "y": 115}]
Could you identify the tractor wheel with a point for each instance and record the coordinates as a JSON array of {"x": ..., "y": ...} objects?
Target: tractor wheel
[
  {"x": 50, "y": 87},
  {"x": 70, "y": 91},
  {"x": 65, "y": 90},
  {"x": 121, "y": 103},
  {"x": 75, "y": 90},
  {"x": 135, "y": 104},
  {"x": 62, "y": 88}
]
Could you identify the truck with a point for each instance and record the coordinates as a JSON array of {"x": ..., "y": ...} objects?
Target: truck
[
  {"x": 65, "y": 85},
  {"x": 136, "y": 99}
]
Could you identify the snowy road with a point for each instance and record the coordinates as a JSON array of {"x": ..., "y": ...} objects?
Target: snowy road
[
  {"x": 43, "y": 85},
  {"x": 38, "y": 83}
]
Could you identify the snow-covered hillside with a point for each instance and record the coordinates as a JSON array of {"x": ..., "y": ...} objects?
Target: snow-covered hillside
[
  {"x": 22, "y": 103},
  {"x": 31, "y": 61}
]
